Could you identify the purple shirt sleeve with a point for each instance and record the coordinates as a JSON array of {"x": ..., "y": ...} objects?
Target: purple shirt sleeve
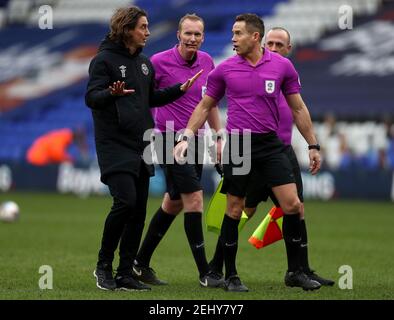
[
  {"x": 291, "y": 81},
  {"x": 216, "y": 86}
]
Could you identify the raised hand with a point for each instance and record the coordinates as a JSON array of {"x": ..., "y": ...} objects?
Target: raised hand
[
  {"x": 118, "y": 89},
  {"x": 189, "y": 82}
]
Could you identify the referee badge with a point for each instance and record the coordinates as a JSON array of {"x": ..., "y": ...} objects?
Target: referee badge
[
  {"x": 269, "y": 86},
  {"x": 144, "y": 69}
]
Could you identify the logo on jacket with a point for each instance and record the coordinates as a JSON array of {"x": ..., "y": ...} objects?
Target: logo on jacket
[
  {"x": 144, "y": 69},
  {"x": 269, "y": 86},
  {"x": 123, "y": 71}
]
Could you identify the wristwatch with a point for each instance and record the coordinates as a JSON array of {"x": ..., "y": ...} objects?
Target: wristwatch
[
  {"x": 183, "y": 137},
  {"x": 314, "y": 146}
]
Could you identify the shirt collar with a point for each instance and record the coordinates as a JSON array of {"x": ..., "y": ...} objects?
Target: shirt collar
[
  {"x": 264, "y": 58},
  {"x": 182, "y": 61}
]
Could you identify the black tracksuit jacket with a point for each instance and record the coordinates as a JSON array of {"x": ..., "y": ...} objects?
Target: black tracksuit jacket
[{"x": 120, "y": 122}]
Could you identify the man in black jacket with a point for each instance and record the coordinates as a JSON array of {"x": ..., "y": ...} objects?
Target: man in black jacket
[{"x": 121, "y": 116}]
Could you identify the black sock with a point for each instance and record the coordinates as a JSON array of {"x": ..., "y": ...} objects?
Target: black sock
[
  {"x": 292, "y": 237},
  {"x": 304, "y": 247},
  {"x": 158, "y": 227},
  {"x": 129, "y": 243},
  {"x": 216, "y": 264},
  {"x": 229, "y": 235},
  {"x": 193, "y": 229}
]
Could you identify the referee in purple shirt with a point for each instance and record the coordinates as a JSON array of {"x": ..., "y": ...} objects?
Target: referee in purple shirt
[
  {"x": 278, "y": 40},
  {"x": 184, "y": 190},
  {"x": 252, "y": 81}
]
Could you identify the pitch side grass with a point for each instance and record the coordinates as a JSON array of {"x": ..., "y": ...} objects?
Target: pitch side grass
[{"x": 64, "y": 232}]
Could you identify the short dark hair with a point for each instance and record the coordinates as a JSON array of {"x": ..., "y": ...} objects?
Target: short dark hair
[
  {"x": 123, "y": 20},
  {"x": 283, "y": 29},
  {"x": 189, "y": 16},
  {"x": 253, "y": 23}
]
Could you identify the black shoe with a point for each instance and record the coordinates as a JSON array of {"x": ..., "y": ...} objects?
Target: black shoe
[
  {"x": 314, "y": 276},
  {"x": 234, "y": 284},
  {"x": 217, "y": 271},
  {"x": 300, "y": 279},
  {"x": 216, "y": 274},
  {"x": 128, "y": 283},
  {"x": 212, "y": 280},
  {"x": 147, "y": 275},
  {"x": 104, "y": 279}
]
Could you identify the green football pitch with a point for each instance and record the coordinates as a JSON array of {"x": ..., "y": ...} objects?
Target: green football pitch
[{"x": 64, "y": 232}]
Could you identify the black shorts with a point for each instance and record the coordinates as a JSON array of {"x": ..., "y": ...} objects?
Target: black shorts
[
  {"x": 183, "y": 178},
  {"x": 270, "y": 166},
  {"x": 256, "y": 195}
]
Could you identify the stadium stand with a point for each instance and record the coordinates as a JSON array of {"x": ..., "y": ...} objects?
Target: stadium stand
[
  {"x": 347, "y": 74},
  {"x": 3, "y": 12}
]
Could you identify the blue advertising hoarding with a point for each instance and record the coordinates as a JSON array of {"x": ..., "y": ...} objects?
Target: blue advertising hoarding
[{"x": 85, "y": 181}]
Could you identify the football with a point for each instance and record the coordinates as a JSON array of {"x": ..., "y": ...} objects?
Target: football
[{"x": 9, "y": 211}]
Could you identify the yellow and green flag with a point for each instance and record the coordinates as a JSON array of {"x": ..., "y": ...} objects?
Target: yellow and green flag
[{"x": 216, "y": 210}]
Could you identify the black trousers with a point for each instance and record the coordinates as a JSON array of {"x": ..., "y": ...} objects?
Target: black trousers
[{"x": 125, "y": 222}]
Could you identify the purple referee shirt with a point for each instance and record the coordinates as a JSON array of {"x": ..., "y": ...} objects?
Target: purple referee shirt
[
  {"x": 253, "y": 91},
  {"x": 170, "y": 69},
  {"x": 285, "y": 128}
]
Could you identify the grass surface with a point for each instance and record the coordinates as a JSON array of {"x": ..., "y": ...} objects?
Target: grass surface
[{"x": 64, "y": 232}]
